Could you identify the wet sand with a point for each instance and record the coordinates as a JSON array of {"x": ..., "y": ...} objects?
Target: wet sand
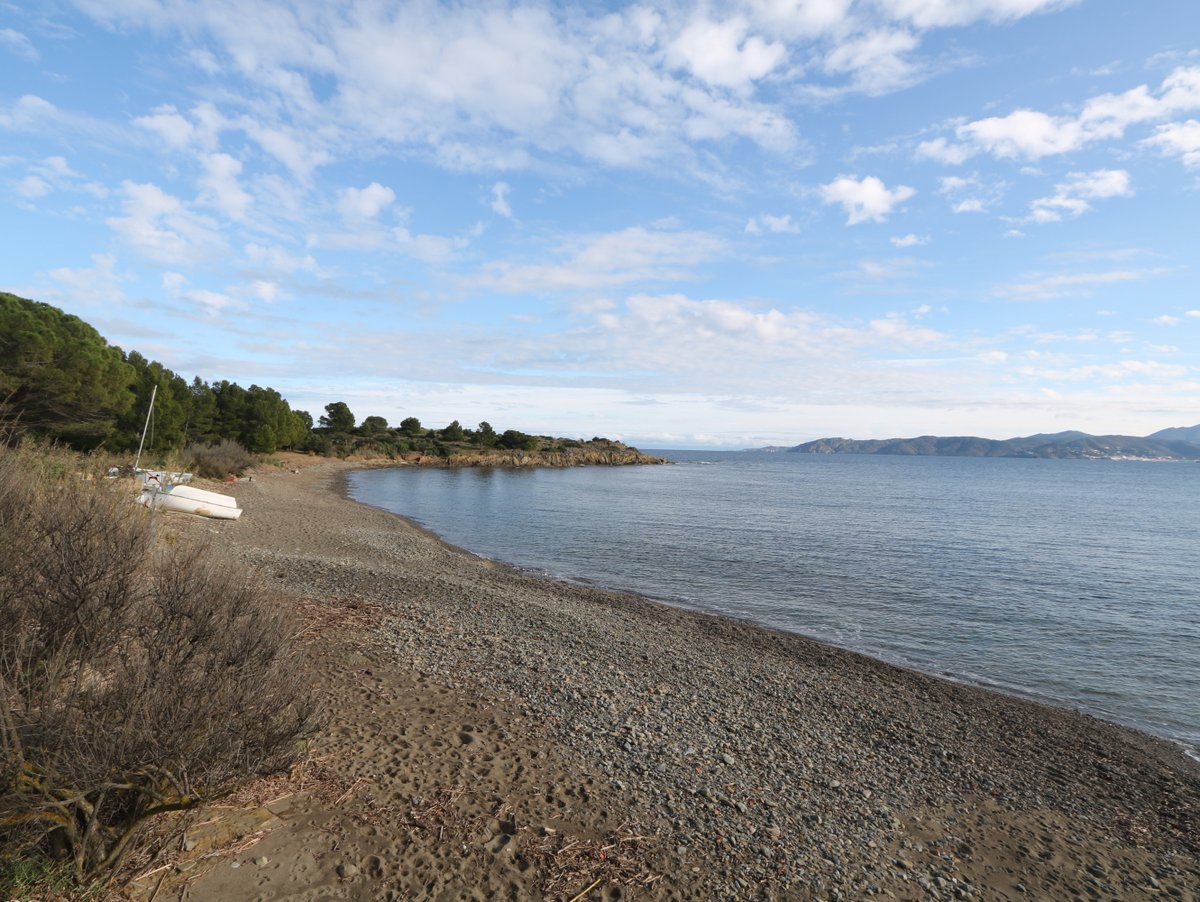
[{"x": 494, "y": 735}]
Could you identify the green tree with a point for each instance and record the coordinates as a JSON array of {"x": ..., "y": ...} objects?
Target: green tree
[
  {"x": 517, "y": 441},
  {"x": 485, "y": 435},
  {"x": 172, "y": 411},
  {"x": 58, "y": 376},
  {"x": 373, "y": 426},
  {"x": 338, "y": 417},
  {"x": 202, "y": 423},
  {"x": 411, "y": 426},
  {"x": 453, "y": 432}
]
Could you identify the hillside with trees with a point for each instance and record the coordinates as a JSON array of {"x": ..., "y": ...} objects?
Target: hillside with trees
[{"x": 60, "y": 380}]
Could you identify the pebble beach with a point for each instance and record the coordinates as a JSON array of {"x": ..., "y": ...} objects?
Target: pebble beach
[{"x": 495, "y": 734}]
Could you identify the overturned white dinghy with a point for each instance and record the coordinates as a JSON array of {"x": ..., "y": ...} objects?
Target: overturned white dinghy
[{"x": 189, "y": 500}]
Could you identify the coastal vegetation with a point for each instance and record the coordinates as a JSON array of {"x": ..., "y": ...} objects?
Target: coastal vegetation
[
  {"x": 136, "y": 677},
  {"x": 60, "y": 380}
]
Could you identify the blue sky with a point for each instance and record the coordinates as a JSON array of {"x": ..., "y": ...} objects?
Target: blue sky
[{"x": 681, "y": 224}]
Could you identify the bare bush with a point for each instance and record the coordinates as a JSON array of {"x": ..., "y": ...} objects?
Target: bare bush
[
  {"x": 216, "y": 461},
  {"x": 133, "y": 680}
]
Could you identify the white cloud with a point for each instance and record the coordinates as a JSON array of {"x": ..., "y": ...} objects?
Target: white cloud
[
  {"x": 1178, "y": 139},
  {"x": 801, "y": 18},
  {"x": 168, "y": 124},
  {"x": 19, "y": 44},
  {"x": 219, "y": 186},
  {"x": 32, "y": 187},
  {"x": 1194, "y": 314},
  {"x": 910, "y": 240},
  {"x": 1120, "y": 370},
  {"x": 277, "y": 260},
  {"x": 1072, "y": 196},
  {"x": 173, "y": 282},
  {"x": 365, "y": 203},
  {"x": 865, "y": 200},
  {"x": 1167, "y": 320},
  {"x": 28, "y": 112},
  {"x": 632, "y": 255},
  {"x": 1031, "y": 134},
  {"x": 943, "y": 13},
  {"x": 212, "y": 303},
  {"x": 430, "y": 248},
  {"x": 160, "y": 227},
  {"x": 878, "y": 61},
  {"x": 301, "y": 154},
  {"x": 768, "y": 223},
  {"x": 1073, "y": 283},
  {"x": 722, "y": 53},
  {"x": 500, "y": 204},
  {"x": 943, "y": 151},
  {"x": 97, "y": 284}
]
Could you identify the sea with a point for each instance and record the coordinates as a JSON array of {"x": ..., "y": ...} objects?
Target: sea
[{"x": 1073, "y": 582}]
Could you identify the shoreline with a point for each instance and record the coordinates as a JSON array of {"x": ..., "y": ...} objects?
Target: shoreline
[
  {"x": 1190, "y": 749},
  {"x": 721, "y": 759}
]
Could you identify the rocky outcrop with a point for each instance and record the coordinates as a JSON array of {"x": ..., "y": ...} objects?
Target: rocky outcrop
[{"x": 588, "y": 454}]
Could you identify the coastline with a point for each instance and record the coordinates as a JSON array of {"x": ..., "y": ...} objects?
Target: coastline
[{"x": 755, "y": 763}]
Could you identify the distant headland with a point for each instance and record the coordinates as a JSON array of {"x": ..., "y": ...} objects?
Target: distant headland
[{"x": 1180, "y": 443}]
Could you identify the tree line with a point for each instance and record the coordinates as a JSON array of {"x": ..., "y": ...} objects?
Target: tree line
[{"x": 61, "y": 380}]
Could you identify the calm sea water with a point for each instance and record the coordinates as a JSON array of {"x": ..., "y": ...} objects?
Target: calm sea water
[{"x": 1072, "y": 581}]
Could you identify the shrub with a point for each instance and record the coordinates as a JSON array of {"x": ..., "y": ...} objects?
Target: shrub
[
  {"x": 217, "y": 460},
  {"x": 134, "y": 680}
]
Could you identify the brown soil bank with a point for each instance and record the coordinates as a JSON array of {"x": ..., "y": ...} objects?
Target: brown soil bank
[{"x": 495, "y": 735}]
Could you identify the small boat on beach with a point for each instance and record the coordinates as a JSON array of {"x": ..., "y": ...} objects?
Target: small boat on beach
[
  {"x": 162, "y": 490},
  {"x": 190, "y": 500}
]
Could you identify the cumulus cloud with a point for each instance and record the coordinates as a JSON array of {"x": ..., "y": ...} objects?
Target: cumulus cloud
[
  {"x": 1178, "y": 139},
  {"x": 722, "y": 53},
  {"x": 365, "y": 203},
  {"x": 1072, "y": 197},
  {"x": 878, "y": 61},
  {"x": 1032, "y": 134},
  {"x": 865, "y": 200},
  {"x": 159, "y": 226},
  {"x": 909, "y": 240}
]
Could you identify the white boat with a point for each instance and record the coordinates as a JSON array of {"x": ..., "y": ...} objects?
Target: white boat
[
  {"x": 188, "y": 500},
  {"x": 165, "y": 491}
]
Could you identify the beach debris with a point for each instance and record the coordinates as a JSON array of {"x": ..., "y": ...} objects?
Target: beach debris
[{"x": 571, "y": 861}]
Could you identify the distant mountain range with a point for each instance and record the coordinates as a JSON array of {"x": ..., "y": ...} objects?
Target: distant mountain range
[{"x": 1182, "y": 443}]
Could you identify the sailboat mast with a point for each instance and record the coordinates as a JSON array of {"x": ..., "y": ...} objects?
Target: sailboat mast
[{"x": 145, "y": 429}]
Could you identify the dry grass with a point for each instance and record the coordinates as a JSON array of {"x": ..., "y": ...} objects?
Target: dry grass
[{"x": 135, "y": 679}]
